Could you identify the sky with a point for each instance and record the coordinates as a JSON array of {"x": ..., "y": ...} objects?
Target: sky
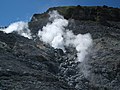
[{"x": 22, "y": 10}]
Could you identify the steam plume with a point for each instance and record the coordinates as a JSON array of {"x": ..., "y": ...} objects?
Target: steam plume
[
  {"x": 55, "y": 34},
  {"x": 19, "y": 27}
]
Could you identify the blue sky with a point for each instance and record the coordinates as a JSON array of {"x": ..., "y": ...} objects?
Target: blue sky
[{"x": 17, "y": 10}]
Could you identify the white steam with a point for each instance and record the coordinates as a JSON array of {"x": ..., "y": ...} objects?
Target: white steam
[
  {"x": 55, "y": 34},
  {"x": 19, "y": 27},
  {"x": 82, "y": 43}
]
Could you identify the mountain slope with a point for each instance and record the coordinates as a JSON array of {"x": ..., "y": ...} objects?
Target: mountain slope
[{"x": 27, "y": 64}]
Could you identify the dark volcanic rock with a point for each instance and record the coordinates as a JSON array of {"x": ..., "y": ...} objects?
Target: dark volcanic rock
[
  {"x": 28, "y": 65},
  {"x": 37, "y": 22},
  {"x": 105, "y": 15},
  {"x": 101, "y": 70},
  {"x": 32, "y": 65}
]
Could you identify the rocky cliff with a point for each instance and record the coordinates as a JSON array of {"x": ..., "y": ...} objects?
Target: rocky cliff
[{"x": 31, "y": 64}]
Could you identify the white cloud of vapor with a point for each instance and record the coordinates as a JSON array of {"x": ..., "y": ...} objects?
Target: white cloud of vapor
[
  {"x": 19, "y": 27},
  {"x": 55, "y": 34}
]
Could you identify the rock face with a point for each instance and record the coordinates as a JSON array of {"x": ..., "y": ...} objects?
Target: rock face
[
  {"x": 28, "y": 65},
  {"x": 101, "y": 15},
  {"x": 32, "y": 65}
]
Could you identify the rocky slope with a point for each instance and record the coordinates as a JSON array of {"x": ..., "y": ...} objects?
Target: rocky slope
[
  {"x": 28, "y": 65},
  {"x": 33, "y": 65}
]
